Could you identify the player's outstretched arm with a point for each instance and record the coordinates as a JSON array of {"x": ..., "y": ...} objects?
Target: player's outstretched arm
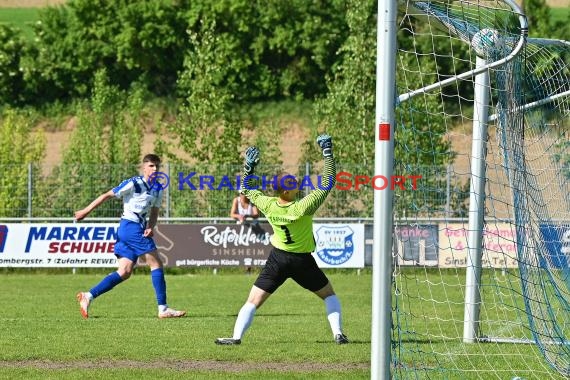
[
  {"x": 81, "y": 214},
  {"x": 310, "y": 204},
  {"x": 250, "y": 162}
]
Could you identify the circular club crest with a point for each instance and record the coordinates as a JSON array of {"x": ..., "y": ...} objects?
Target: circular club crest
[{"x": 335, "y": 245}]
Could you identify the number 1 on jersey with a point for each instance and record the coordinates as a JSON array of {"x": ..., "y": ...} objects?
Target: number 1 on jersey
[{"x": 287, "y": 235}]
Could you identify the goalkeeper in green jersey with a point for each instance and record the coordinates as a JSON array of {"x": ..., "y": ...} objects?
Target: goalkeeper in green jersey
[{"x": 292, "y": 241}]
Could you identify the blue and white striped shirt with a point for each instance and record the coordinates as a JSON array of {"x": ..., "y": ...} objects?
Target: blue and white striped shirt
[{"x": 138, "y": 198}]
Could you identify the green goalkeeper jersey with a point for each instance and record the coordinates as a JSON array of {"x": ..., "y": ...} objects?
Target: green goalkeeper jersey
[{"x": 293, "y": 222}]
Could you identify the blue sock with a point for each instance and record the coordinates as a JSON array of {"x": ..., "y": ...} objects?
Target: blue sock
[
  {"x": 157, "y": 277},
  {"x": 108, "y": 283}
]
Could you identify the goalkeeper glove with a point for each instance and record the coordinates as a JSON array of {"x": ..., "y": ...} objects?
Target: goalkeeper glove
[
  {"x": 325, "y": 142},
  {"x": 251, "y": 159}
]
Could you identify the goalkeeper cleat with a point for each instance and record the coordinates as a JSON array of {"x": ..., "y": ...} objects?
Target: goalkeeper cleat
[
  {"x": 340, "y": 339},
  {"x": 84, "y": 302},
  {"x": 171, "y": 313},
  {"x": 227, "y": 341}
]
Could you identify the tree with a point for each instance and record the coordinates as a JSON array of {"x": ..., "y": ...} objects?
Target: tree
[
  {"x": 274, "y": 50},
  {"x": 103, "y": 150},
  {"x": 540, "y": 22},
  {"x": 13, "y": 50},
  {"x": 207, "y": 128},
  {"x": 22, "y": 150},
  {"x": 129, "y": 38},
  {"x": 348, "y": 114}
]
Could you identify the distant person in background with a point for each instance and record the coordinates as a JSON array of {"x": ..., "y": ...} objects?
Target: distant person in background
[
  {"x": 242, "y": 209},
  {"x": 292, "y": 243},
  {"x": 141, "y": 196}
]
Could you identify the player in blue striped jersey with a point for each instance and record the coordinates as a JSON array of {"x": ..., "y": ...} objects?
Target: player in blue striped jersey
[{"x": 142, "y": 198}]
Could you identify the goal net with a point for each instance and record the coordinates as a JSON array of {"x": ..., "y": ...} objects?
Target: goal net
[{"x": 481, "y": 253}]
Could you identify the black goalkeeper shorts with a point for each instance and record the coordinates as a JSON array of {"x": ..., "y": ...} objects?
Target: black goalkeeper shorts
[{"x": 281, "y": 265}]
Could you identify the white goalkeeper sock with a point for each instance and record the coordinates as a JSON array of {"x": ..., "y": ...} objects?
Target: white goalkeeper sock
[
  {"x": 244, "y": 319},
  {"x": 332, "y": 305}
]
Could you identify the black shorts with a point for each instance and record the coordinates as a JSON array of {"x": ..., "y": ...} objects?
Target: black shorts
[{"x": 281, "y": 265}]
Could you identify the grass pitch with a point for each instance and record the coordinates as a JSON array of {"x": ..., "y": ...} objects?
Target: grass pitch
[{"x": 43, "y": 336}]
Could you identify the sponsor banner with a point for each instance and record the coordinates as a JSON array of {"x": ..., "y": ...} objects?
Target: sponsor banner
[
  {"x": 214, "y": 245},
  {"x": 339, "y": 245},
  {"x": 417, "y": 244},
  {"x": 556, "y": 239},
  {"x": 210, "y": 245},
  {"x": 499, "y": 241},
  {"x": 57, "y": 245}
]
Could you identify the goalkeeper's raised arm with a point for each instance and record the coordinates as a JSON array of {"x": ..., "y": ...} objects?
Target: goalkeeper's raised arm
[
  {"x": 247, "y": 182},
  {"x": 307, "y": 205},
  {"x": 310, "y": 204}
]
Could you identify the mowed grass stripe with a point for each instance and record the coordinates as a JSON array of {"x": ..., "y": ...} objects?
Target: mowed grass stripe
[{"x": 21, "y": 18}]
